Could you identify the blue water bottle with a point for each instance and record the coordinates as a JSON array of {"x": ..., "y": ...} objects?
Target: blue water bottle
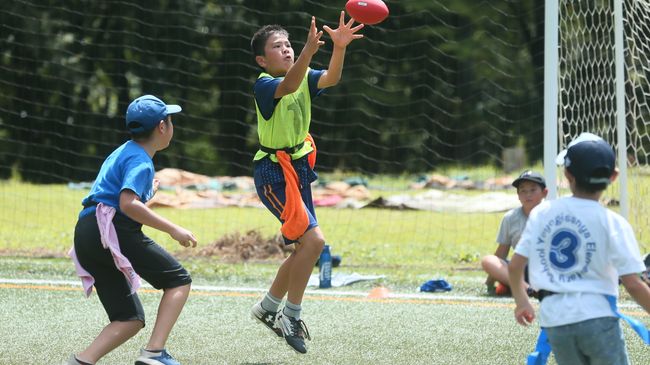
[{"x": 325, "y": 268}]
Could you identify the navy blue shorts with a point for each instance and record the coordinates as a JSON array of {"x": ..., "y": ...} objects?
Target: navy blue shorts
[
  {"x": 270, "y": 186},
  {"x": 149, "y": 260}
]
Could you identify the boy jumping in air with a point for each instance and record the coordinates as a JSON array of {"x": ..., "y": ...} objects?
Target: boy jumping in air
[{"x": 283, "y": 166}]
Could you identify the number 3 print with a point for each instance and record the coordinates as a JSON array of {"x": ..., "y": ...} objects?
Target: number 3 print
[{"x": 563, "y": 250}]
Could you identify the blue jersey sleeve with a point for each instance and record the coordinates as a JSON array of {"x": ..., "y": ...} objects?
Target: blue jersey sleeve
[
  {"x": 138, "y": 177},
  {"x": 264, "y": 91},
  {"x": 314, "y": 76}
]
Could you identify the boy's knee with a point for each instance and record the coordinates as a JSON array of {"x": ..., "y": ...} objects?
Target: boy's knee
[
  {"x": 485, "y": 262},
  {"x": 182, "y": 291},
  {"x": 185, "y": 288},
  {"x": 314, "y": 244},
  {"x": 138, "y": 326},
  {"x": 318, "y": 244},
  {"x": 133, "y": 326}
]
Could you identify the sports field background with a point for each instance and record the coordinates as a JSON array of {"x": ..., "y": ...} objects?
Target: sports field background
[
  {"x": 43, "y": 323},
  {"x": 442, "y": 87},
  {"x": 215, "y": 327}
]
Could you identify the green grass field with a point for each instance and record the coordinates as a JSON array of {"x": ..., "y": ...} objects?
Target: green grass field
[
  {"x": 409, "y": 247},
  {"x": 43, "y": 324},
  {"x": 215, "y": 329}
]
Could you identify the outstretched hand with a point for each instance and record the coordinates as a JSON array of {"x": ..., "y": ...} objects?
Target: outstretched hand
[
  {"x": 313, "y": 42},
  {"x": 345, "y": 33}
]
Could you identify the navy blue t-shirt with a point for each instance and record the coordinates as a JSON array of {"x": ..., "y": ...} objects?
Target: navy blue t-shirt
[{"x": 264, "y": 91}]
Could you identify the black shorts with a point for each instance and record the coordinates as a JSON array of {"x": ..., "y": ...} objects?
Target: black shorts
[{"x": 149, "y": 260}]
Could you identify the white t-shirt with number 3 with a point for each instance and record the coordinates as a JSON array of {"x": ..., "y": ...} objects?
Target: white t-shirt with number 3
[{"x": 577, "y": 248}]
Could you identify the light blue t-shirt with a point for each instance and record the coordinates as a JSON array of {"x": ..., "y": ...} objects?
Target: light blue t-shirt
[{"x": 128, "y": 167}]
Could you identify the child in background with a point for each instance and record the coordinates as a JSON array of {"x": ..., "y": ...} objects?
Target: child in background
[
  {"x": 576, "y": 251},
  {"x": 110, "y": 250},
  {"x": 283, "y": 166},
  {"x": 531, "y": 190}
]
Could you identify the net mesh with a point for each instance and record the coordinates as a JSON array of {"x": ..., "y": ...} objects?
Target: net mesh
[
  {"x": 438, "y": 88},
  {"x": 587, "y": 90}
]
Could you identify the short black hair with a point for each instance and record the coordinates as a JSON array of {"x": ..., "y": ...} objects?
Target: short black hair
[
  {"x": 587, "y": 187},
  {"x": 144, "y": 135},
  {"x": 262, "y": 35}
]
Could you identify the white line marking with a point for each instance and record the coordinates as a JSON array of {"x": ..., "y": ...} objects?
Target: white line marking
[{"x": 324, "y": 292}]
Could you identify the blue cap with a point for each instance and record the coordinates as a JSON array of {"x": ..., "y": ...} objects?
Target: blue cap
[
  {"x": 147, "y": 111},
  {"x": 589, "y": 159}
]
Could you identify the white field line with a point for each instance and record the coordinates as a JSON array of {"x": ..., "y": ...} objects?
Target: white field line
[{"x": 315, "y": 292}]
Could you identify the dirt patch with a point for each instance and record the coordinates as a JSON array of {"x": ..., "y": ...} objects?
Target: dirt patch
[
  {"x": 250, "y": 246},
  {"x": 235, "y": 247}
]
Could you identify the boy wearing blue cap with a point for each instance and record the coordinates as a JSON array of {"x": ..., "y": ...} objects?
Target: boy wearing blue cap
[
  {"x": 576, "y": 251},
  {"x": 110, "y": 250}
]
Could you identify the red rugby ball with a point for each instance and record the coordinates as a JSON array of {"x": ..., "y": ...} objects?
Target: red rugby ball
[{"x": 367, "y": 11}]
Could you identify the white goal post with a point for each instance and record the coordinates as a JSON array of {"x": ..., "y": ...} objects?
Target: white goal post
[{"x": 597, "y": 73}]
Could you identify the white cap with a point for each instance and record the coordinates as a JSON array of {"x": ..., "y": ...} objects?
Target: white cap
[{"x": 583, "y": 137}]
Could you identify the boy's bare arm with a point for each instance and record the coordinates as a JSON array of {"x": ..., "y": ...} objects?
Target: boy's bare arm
[
  {"x": 341, "y": 37},
  {"x": 296, "y": 73},
  {"x": 502, "y": 251},
  {"x": 637, "y": 289},
  {"x": 131, "y": 205},
  {"x": 524, "y": 312}
]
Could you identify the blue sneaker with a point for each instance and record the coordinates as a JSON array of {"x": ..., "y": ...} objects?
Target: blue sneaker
[{"x": 155, "y": 358}]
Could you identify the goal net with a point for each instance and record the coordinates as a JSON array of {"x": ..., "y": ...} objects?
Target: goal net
[
  {"x": 439, "y": 108},
  {"x": 441, "y": 105},
  {"x": 593, "y": 97}
]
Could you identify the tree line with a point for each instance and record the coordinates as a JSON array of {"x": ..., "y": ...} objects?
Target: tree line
[{"x": 439, "y": 82}]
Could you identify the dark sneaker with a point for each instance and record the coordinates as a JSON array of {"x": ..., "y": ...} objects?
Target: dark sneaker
[
  {"x": 266, "y": 318},
  {"x": 155, "y": 358},
  {"x": 491, "y": 290},
  {"x": 73, "y": 361},
  {"x": 294, "y": 332}
]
